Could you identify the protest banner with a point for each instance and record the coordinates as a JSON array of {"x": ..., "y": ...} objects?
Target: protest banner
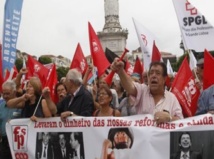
[{"x": 134, "y": 137}]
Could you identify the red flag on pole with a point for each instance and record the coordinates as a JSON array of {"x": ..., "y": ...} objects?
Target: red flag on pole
[
  {"x": 185, "y": 89},
  {"x": 138, "y": 67},
  {"x": 97, "y": 53},
  {"x": 36, "y": 69},
  {"x": 7, "y": 75},
  {"x": 129, "y": 68},
  {"x": 156, "y": 56},
  {"x": 13, "y": 72},
  {"x": 79, "y": 61},
  {"x": 51, "y": 82},
  {"x": 208, "y": 78}
]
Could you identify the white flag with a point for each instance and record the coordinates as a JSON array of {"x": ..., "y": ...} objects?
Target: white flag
[
  {"x": 197, "y": 32},
  {"x": 146, "y": 40},
  {"x": 192, "y": 61},
  {"x": 169, "y": 68}
]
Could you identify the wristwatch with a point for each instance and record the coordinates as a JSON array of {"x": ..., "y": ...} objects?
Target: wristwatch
[{"x": 71, "y": 113}]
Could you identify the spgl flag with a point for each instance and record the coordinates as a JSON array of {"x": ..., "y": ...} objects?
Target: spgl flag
[
  {"x": 12, "y": 19},
  {"x": 197, "y": 32}
]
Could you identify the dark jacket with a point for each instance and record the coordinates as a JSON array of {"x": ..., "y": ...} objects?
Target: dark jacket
[
  {"x": 39, "y": 150},
  {"x": 58, "y": 152},
  {"x": 193, "y": 155},
  {"x": 81, "y": 105}
]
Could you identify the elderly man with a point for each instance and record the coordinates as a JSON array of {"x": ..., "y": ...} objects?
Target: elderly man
[
  {"x": 79, "y": 100},
  {"x": 8, "y": 92},
  {"x": 151, "y": 99}
]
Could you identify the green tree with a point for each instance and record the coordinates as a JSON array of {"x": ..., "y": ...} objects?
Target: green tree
[
  {"x": 45, "y": 60},
  {"x": 19, "y": 63},
  {"x": 61, "y": 72}
]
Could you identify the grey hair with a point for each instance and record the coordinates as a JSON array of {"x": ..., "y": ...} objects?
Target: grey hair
[
  {"x": 9, "y": 83},
  {"x": 75, "y": 76}
]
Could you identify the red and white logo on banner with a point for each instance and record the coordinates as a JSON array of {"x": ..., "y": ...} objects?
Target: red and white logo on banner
[{"x": 20, "y": 136}]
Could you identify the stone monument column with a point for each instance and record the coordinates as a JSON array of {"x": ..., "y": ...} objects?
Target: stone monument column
[
  {"x": 111, "y": 7},
  {"x": 111, "y": 16},
  {"x": 113, "y": 36}
]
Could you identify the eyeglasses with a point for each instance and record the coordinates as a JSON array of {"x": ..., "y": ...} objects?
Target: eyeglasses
[{"x": 102, "y": 94}]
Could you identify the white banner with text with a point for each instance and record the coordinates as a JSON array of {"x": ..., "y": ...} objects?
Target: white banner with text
[{"x": 133, "y": 137}]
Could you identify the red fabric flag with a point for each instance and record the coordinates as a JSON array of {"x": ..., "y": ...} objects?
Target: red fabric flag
[
  {"x": 97, "y": 53},
  {"x": 37, "y": 69},
  {"x": 208, "y": 78},
  {"x": 51, "y": 82},
  {"x": 10, "y": 75},
  {"x": 79, "y": 61},
  {"x": 185, "y": 89},
  {"x": 168, "y": 82},
  {"x": 138, "y": 67},
  {"x": 156, "y": 56},
  {"x": 7, "y": 75},
  {"x": 129, "y": 68},
  {"x": 13, "y": 72}
]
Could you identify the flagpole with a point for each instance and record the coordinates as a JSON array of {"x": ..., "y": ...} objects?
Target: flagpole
[
  {"x": 188, "y": 51},
  {"x": 196, "y": 76},
  {"x": 37, "y": 105}
]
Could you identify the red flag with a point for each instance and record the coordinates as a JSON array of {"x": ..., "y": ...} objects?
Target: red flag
[
  {"x": 79, "y": 61},
  {"x": 138, "y": 67},
  {"x": 129, "y": 68},
  {"x": 13, "y": 72},
  {"x": 97, "y": 53},
  {"x": 7, "y": 75},
  {"x": 208, "y": 78},
  {"x": 156, "y": 56},
  {"x": 168, "y": 82},
  {"x": 51, "y": 82},
  {"x": 37, "y": 69},
  {"x": 185, "y": 89}
]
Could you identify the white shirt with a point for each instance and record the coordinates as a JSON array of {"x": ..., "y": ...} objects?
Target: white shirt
[
  {"x": 44, "y": 150},
  {"x": 182, "y": 155}
]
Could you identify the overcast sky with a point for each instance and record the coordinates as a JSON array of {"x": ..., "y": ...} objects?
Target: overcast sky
[{"x": 56, "y": 26}]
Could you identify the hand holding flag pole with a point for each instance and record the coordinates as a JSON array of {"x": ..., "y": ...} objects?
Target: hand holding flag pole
[{"x": 110, "y": 76}]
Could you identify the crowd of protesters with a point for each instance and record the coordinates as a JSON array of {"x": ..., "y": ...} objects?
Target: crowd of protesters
[{"x": 127, "y": 95}]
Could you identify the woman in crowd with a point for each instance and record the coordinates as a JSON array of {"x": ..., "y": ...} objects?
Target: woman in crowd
[
  {"x": 104, "y": 99},
  {"x": 60, "y": 91},
  {"x": 32, "y": 103},
  {"x": 114, "y": 102}
]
